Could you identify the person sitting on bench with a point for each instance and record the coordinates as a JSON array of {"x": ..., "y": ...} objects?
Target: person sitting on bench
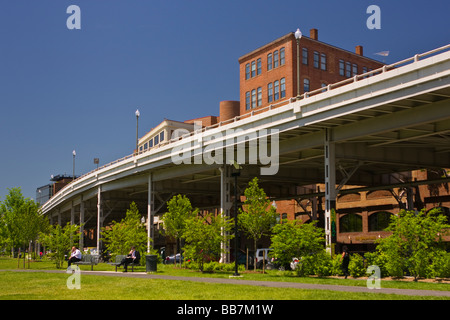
[
  {"x": 132, "y": 257},
  {"x": 75, "y": 256}
]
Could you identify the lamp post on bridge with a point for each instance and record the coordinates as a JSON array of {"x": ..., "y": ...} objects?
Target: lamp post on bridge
[
  {"x": 73, "y": 171},
  {"x": 298, "y": 36},
  {"x": 137, "y": 113}
]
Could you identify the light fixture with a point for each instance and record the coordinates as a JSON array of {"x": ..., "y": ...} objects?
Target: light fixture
[
  {"x": 137, "y": 113},
  {"x": 298, "y": 34}
]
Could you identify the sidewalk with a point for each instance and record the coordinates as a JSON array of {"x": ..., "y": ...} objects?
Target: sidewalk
[{"x": 410, "y": 292}]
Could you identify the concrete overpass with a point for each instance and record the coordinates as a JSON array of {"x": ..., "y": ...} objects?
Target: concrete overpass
[{"x": 361, "y": 131}]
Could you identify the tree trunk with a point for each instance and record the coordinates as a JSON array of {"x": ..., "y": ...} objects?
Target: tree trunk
[{"x": 254, "y": 258}]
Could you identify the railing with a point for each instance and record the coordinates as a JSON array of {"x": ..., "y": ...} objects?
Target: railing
[{"x": 252, "y": 113}]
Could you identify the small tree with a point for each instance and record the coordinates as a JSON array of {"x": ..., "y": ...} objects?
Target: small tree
[
  {"x": 296, "y": 239},
  {"x": 179, "y": 211},
  {"x": 204, "y": 235},
  {"x": 59, "y": 240},
  {"x": 20, "y": 220},
  {"x": 415, "y": 242},
  {"x": 119, "y": 237},
  {"x": 257, "y": 216}
]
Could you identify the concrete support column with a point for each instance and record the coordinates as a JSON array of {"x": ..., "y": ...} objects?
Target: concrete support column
[
  {"x": 72, "y": 214},
  {"x": 59, "y": 217},
  {"x": 81, "y": 243},
  {"x": 225, "y": 206},
  {"x": 99, "y": 216},
  {"x": 150, "y": 214},
  {"x": 330, "y": 185}
]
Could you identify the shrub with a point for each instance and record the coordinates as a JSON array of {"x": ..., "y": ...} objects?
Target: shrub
[
  {"x": 336, "y": 265},
  {"x": 377, "y": 259},
  {"x": 356, "y": 266},
  {"x": 440, "y": 267}
]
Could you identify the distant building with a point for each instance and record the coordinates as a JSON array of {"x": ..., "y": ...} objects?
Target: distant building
[
  {"x": 171, "y": 129},
  {"x": 269, "y": 74},
  {"x": 44, "y": 193}
]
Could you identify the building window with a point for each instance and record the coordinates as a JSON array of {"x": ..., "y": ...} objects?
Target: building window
[
  {"x": 146, "y": 146},
  {"x": 276, "y": 94},
  {"x": 247, "y": 71},
  {"x": 253, "y": 98},
  {"x": 258, "y": 66},
  {"x": 305, "y": 85},
  {"x": 269, "y": 62},
  {"x": 270, "y": 92},
  {"x": 341, "y": 68},
  {"x": 316, "y": 60},
  {"x": 379, "y": 221},
  {"x": 247, "y": 100},
  {"x": 253, "y": 69},
  {"x": 364, "y": 71},
  {"x": 259, "y": 96},
  {"x": 351, "y": 222},
  {"x": 156, "y": 140},
  {"x": 150, "y": 143},
  {"x": 355, "y": 69},
  {"x": 275, "y": 59},
  {"x": 348, "y": 69},
  {"x": 161, "y": 136},
  {"x": 305, "y": 56},
  {"x": 323, "y": 85},
  {"x": 323, "y": 61},
  {"x": 282, "y": 88},
  {"x": 282, "y": 57}
]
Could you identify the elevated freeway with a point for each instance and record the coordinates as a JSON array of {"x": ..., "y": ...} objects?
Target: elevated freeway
[{"x": 360, "y": 132}]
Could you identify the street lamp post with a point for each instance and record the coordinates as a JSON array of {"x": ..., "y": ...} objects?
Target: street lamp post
[
  {"x": 73, "y": 171},
  {"x": 236, "y": 174},
  {"x": 137, "y": 113},
  {"x": 298, "y": 36}
]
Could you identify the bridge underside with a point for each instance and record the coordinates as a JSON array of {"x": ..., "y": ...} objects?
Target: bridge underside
[{"x": 373, "y": 147}]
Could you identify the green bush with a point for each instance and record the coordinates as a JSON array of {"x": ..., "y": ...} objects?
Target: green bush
[
  {"x": 215, "y": 266},
  {"x": 336, "y": 265},
  {"x": 356, "y": 266},
  {"x": 440, "y": 266},
  {"x": 377, "y": 259}
]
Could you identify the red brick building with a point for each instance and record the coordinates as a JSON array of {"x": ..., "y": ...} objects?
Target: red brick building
[{"x": 269, "y": 74}]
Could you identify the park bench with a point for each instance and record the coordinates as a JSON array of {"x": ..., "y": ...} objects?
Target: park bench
[
  {"x": 88, "y": 259},
  {"x": 118, "y": 259}
]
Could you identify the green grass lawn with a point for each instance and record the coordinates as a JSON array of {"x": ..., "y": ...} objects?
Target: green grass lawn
[{"x": 52, "y": 286}]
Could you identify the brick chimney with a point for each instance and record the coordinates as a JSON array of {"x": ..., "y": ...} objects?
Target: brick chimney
[
  {"x": 314, "y": 34},
  {"x": 359, "y": 50}
]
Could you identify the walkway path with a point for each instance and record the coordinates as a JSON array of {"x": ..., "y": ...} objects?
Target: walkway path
[{"x": 410, "y": 292}]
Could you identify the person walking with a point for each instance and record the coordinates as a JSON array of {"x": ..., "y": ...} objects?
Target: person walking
[{"x": 345, "y": 261}]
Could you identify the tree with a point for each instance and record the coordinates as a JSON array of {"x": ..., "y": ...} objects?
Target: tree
[
  {"x": 204, "y": 235},
  {"x": 20, "y": 220},
  {"x": 296, "y": 239},
  {"x": 179, "y": 211},
  {"x": 415, "y": 242},
  {"x": 59, "y": 240},
  {"x": 257, "y": 216},
  {"x": 119, "y": 237}
]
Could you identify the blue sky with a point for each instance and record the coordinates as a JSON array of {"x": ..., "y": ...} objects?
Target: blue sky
[{"x": 64, "y": 89}]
